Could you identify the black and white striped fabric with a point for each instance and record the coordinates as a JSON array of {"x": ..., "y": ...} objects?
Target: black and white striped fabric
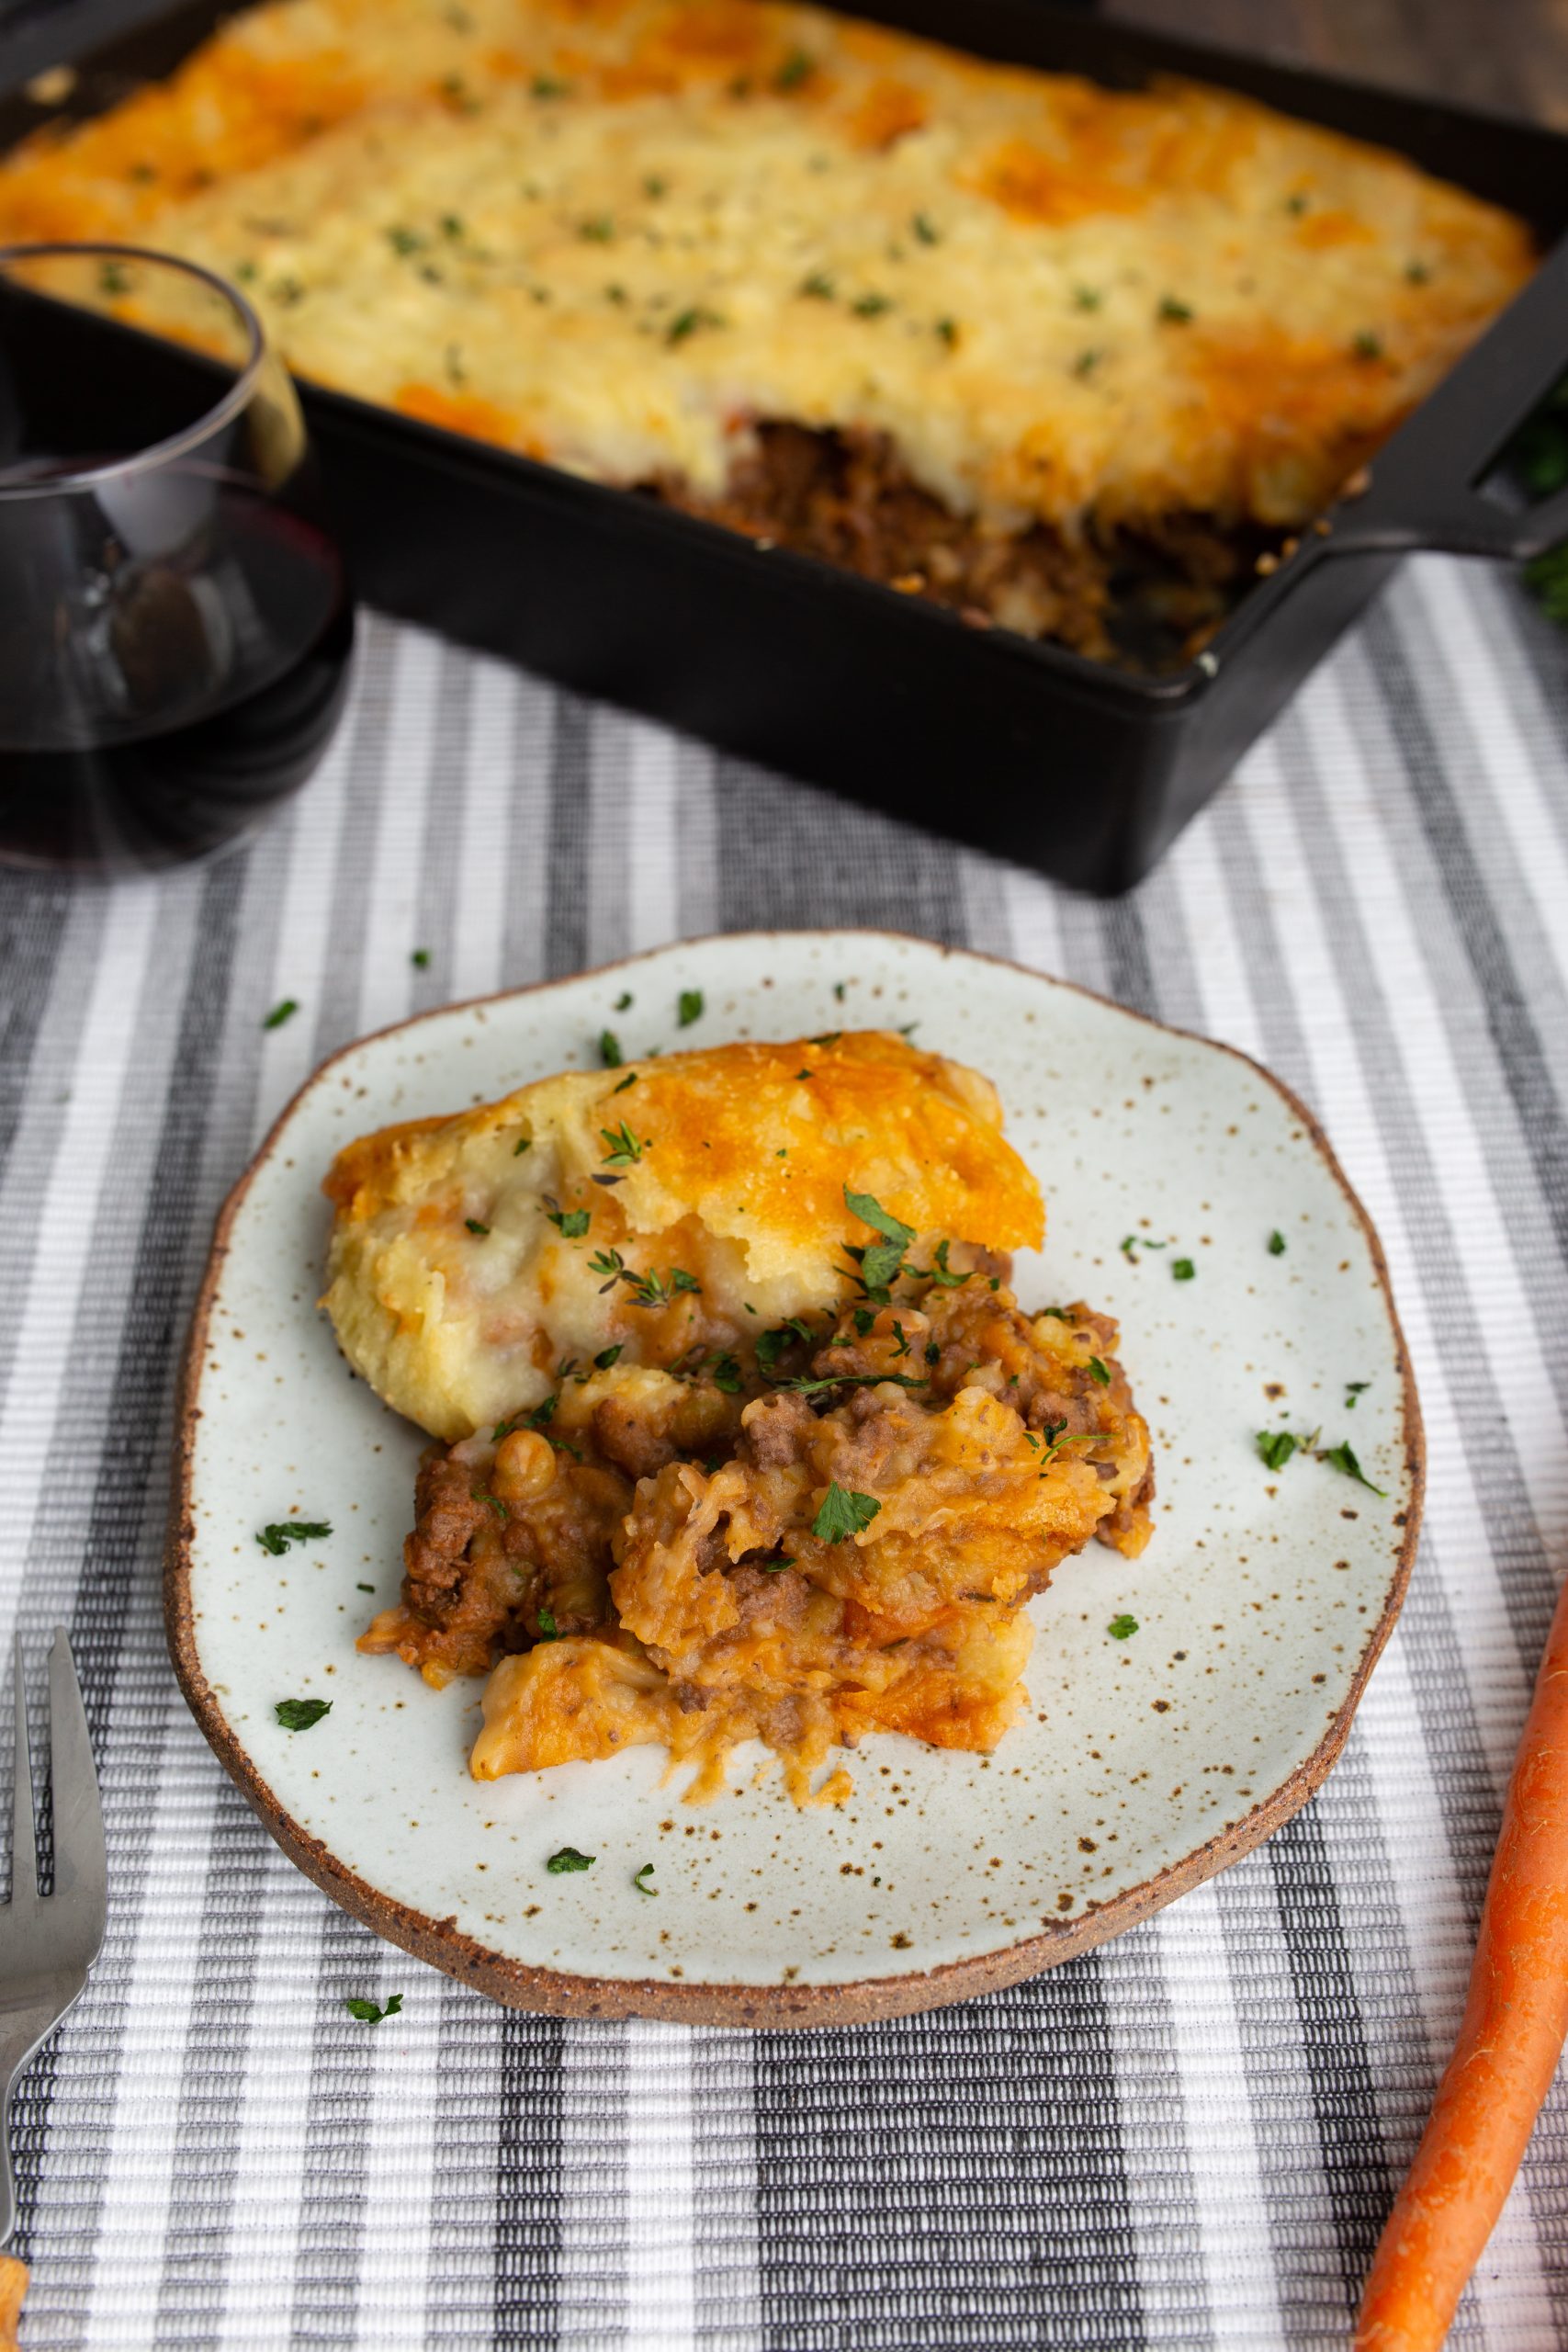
[{"x": 1186, "y": 2139}]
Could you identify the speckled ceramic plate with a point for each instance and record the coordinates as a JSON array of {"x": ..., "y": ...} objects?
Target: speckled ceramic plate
[{"x": 1143, "y": 1765}]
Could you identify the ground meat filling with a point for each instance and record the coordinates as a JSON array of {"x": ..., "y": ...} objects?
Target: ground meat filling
[
  {"x": 676, "y": 1519},
  {"x": 1147, "y": 596}
]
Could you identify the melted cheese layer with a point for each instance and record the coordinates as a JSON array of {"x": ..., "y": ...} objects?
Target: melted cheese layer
[{"x": 616, "y": 233}]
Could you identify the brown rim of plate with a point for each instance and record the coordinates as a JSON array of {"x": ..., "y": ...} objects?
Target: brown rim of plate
[{"x": 559, "y": 1993}]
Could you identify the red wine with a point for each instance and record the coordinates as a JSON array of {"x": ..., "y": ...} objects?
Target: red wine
[{"x": 183, "y": 702}]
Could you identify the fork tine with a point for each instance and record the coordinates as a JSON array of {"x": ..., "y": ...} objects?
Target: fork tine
[
  {"x": 24, "y": 1842},
  {"x": 81, "y": 1869}
]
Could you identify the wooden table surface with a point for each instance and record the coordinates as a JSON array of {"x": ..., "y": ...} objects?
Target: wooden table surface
[{"x": 1511, "y": 54}]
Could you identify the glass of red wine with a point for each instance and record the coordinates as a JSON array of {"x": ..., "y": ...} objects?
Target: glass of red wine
[{"x": 175, "y": 626}]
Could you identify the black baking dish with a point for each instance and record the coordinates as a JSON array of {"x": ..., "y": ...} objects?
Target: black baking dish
[{"x": 1081, "y": 770}]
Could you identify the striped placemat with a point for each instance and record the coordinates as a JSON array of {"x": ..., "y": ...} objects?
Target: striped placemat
[{"x": 1186, "y": 2139}]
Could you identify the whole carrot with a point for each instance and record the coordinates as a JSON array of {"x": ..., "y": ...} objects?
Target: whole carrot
[{"x": 1509, "y": 2041}]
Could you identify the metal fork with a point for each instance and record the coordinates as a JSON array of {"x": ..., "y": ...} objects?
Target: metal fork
[{"x": 48, "y": 1942}]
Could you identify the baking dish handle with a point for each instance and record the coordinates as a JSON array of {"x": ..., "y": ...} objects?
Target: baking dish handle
[{"x": 1424, "y": 489}]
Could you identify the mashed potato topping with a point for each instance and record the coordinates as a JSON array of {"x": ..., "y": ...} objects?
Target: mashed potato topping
[
  {"x": 987, "y": 334},
  {"x": 776, "y": 1455}
]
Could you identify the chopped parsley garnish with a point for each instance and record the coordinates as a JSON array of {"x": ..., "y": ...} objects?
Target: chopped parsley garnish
[
  {"x": 818, "y": 286},
  {"x": 689, "y": 1008},
  {"x": 898, "y": 1333},
  {"x": 654, "y": 1289},
  {"x": 1057, "y": 1435},
  {"x": 568, "y": 1858},
  {"x": 629, "y": 1080},
  {"x": 1275, "y": 1447},
  {"x": 600, "y": 230},
  {"x": 772, "y": 1344},
  {"x": 1057, "y": 1314},
  {"x": 948, "y": 330},
  {"x": 864, "y": 1317},
  {"x": 608, "y": 1356},
  {"x": 1417, "y": 273},
  {"x": 1087, "y": 362},
  {"x": 1098, "y": 1371},
  {"x": 828, "y": 1037},
  {"x": 277, "y": 1538},
  {"x": 623, "y": 1001},
  {"x": 870, "y": 306},
  {"x": 934, "y": 1353},
  {"x": 771, "y": 1567},
  {"x": 1342, "y": 1458},
  {"x": 1087, "y": 297},
  {"x": 570, "y": 1224},
  {"x": 843, "y": 1513},
  {"x": 1276, "y": 1243},
  {"x": 420, "y": 959},
  {"x": 474, "y": 1226},
  {"x": 281, "y": 1012},
  {"x": 112, "y": 279},
  {"x": 298, "y": 1714},
  {"x": 624, "y": 1149},
  {"x": 687, "y": 322},
  {"x": 364, "y": 1587},
  {"x": 1175, "y": 313},
  {"x": 1122, "y": 1628},
  {"x": 883, "y": 1261},
  {"x": 483, "y": 1494},
  {"x": 548, "y": 1630},
  {"x": 609, "y": 1052},
  {"x": 1354, "y": 1388},
  {"x": 1183, "y": 1269},
  {"x": 544, "y": 86},
  {"x": 1368, "y": 345},
  {"x": 404, "y": 240},
  {"x": 726, "y": 1375},
  {"x": 807, "y": 1387},
  {"x": 940, "y": 1274},
  {"x": 542, "y": 1414},
  {"x": 924, "y": 229},
  {"x": 638, "y": 1876},
  {"x": 653, "y": 186},
  {"x": 798, "y": 67},
  {"x": 371, "y": 2012}
]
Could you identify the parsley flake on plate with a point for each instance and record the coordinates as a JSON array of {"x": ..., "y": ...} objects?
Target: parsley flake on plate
[
  {"x": 1342, "y": 1458},
  {"x": 843, "y": 1513},
  {"x": 474, "y": 1226},
  {"x": 370, "y": 2012},
  {"x": 1098, "y": 1371},
  {"x": 1275, "y": 1448},
  {"x": 278, "y": 1537},
  {"x": 1121, "y": 1627},
  {"x": 1354, "y": 1388},
  {"x": 548, "y": 1630},
  {"x": 638, "y": 1876},
  {"x": 298, "y": 1714},
  {"x": 689, "y": 1008},
  {"x": 1183, "y": 1269},
  {"x": 420, "y": 959},
  {"x": 570, "y": 1224},
  {"x": 608, "y": 1356},
  {"x": 281, "y": 1012},
  {"x": 1276, "y": 1243},
  {"x": 609, "y": 1052},
  {"x": 568, "y": 1858}
]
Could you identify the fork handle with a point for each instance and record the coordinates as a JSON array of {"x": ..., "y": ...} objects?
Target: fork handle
[{"x": 12, "y": 2293}]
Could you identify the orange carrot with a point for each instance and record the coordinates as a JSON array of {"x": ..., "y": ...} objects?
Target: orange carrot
[{"x": 1509, "y": 2041}]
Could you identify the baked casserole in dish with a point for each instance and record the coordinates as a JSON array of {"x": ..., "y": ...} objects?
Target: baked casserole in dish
[{"x": 1070, "y": 360}]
